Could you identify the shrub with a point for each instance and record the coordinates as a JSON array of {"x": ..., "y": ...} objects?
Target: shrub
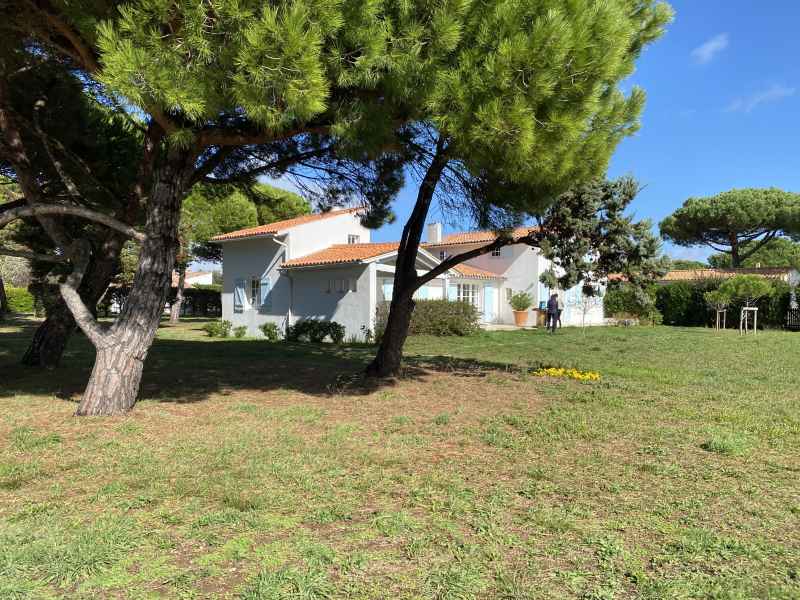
[
  {"x": 20, "y": 300},
  {"x": 434, "y": 317},
  {"x": 687, "y": 304},
  {"x": 240, "y": 331},
  {"x": 747, "y": 288},
  {"x": 521, "y": 301},
  {"x": 270, "y": 331},
  {"x": 219, "y": 328},
  {"x": 314, "y": 330}
]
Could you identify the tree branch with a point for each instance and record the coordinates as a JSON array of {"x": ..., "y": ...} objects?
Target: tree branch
[
  {"x": 757, "y": 246},
  {"x": 80, "y": 252},
  {"x": 222, "y": 136},
  {"x": 33, "y": 255},
  {"x": 30, "y": 210}
]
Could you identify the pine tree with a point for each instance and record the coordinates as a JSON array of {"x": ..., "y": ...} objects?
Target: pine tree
[
  {"x": 738, "y": 223},
  {"x": 227, "y": 90},
  {"x": 527, "y": 107}
]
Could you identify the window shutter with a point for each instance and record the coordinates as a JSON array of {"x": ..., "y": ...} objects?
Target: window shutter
[
  {"x": 239, "y": 294},
  {"x": 452, "y": 292},
  {"x": 266, "y": 295},
  {"x": 388, "y": 290}
]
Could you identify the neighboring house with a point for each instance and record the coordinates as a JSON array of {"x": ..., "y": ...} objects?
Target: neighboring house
[
  {"x": 323, "y": 266},
  {"x": 194, "y": 278}
]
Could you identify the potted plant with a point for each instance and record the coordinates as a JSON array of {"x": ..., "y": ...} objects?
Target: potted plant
[{"x": 520, "y": 304}]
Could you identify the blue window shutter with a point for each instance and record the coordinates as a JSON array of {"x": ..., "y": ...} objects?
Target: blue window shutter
[
  {"x": 266, "y": 294},
  {"x": 452, "y": 292},
  {"x": 388, "y": 290},
  {"x": 239, "y": 295}
]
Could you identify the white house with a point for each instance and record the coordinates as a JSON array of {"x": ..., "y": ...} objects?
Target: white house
[{"x": 323, "y": 266}]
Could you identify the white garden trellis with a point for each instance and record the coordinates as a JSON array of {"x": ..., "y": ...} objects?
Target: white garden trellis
[{"x": 744, "y": 320}]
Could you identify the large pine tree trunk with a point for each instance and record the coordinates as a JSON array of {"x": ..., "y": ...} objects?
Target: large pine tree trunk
[
  {"x": 3, "y": 298},
  {"x": 387, "y": 361},
  {"x": 51, "y": 337},
  {"x": 117, "y": 373},
  {"x": 175, "y": 309}
]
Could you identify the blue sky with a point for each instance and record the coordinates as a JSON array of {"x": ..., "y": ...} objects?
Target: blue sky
[{"x": 723, "y": 109}]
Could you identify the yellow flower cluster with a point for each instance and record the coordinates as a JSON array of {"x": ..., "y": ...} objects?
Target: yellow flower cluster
[{"x": 567, "y": 373}]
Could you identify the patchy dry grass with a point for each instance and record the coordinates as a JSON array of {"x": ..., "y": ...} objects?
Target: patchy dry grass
[{"x": 267, "y": 471}]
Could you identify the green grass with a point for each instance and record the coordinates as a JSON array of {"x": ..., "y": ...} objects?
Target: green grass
[{"x": 274, "y": 471}]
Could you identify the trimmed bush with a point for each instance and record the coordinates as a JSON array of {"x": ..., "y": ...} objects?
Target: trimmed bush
[
  {"x": 240, "y": 331},
  {"x": 20, "y": 300},
  {"x": 434, "y": 317},
  {"x": 270, "y": 331},
  {"x": 219, "y": 328},
  {"x": 314, "y": 330}
]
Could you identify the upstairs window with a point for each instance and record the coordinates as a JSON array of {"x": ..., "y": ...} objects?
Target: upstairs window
[
  {"x": 442, "y": 254},
  {"x": 353, "y": 239},
  {"x": 497, "y": 252}
]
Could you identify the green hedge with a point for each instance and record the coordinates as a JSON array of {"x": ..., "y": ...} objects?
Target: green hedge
[
  {"x": 20, "y": 300},
  {"x": 434, "y": 317},
  {"x": 683, "y": 304}
]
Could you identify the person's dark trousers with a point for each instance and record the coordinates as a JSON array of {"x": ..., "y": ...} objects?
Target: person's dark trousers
[
  {"x": 551, "y": 322},
  {"x": 558, "y": 318}
]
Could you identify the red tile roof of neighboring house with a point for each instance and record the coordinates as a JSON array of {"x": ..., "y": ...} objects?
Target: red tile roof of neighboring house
[
  {"x": 342, "y": 253},
  {"x": 700, "y": 274},
  {"x": 279, "y": 226},
  {"x": 351, "y": 253},
  {"x": 476, "y": 237},
  {"x": 471, "y": 272},
  {"x": 189, "y": 276}
]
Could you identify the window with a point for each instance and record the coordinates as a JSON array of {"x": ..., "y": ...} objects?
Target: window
[
  {"x": 442, "y": 254},
  {"x": 509, "y": 293},
  {"x": 353, "y": 239},
  {"x": 341, "y": 286},
  {"x": 467, "y": 292},
  {"x": 497, "y": 252},
  {"x": 255, "y": 292}
]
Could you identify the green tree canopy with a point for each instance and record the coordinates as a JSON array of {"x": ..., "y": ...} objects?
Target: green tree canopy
[
  {"x": 747, "y": 288},
  {"x": 778, "y": 252},
  {"x": 737, "y": 223},
  {"x": 683, "y": 264},
  {"x": 276, "y": 204}
]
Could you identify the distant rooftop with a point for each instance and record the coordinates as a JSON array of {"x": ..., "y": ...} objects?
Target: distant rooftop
[{"x": 280, "y": 226}]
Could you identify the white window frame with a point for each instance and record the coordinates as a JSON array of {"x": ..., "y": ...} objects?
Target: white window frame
[
  {"x": 497, "y": 252},
  {"x": 255, "y": 292},
  {"x": 467, "y": 292},
  {"x": 353, "y": 239}
]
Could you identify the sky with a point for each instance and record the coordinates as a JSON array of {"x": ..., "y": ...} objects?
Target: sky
[{"x": 723, "y": 110}]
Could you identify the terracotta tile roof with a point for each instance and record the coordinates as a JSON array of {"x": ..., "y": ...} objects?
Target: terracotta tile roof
[
  {"x": 700, "y": 274},
  {"x": 473, "y": 273},
  {"x": 475, "y": 237},
  {"x": 279, "y": 226},
  {"x": 342, "y": 253},
  {"x": 190, "y": 275}
]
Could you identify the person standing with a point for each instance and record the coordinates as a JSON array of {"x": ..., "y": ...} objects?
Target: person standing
[{"x": 552, "y": 313}]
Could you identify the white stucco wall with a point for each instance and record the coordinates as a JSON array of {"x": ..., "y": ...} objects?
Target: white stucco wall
[
  {"x": 316, "y": 235},
  {"x": 312, "y": 300}
]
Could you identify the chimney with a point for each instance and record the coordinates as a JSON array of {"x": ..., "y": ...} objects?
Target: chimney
[{"x": 434, "y": 233}]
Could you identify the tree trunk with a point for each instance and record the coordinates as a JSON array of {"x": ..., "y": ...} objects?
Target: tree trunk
[
  {"x": 175, "y": 309},
  {"x": 3, "y": 298},
  {"x": 390, "y": 353},
  {"x": 735, "y": 260},
  {"x": 52, "y": 336},
  {"x": 122, "y": 350}
]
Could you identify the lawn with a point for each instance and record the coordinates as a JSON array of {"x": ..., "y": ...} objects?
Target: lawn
[{"x": 255, "y": 470}]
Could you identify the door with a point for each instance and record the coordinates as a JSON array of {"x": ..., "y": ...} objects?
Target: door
[{"x": 489, "y": 304}]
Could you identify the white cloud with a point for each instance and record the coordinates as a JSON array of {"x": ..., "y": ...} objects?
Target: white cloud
[
  {"x": 749, "y": 103},
  {"x": 705, "y": 53}
]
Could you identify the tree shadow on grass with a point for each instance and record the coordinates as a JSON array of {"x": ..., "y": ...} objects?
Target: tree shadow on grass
[{"x": 185, "y": 371}]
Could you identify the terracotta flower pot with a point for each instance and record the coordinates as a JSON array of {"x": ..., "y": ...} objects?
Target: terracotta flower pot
[{"x": 520, "y": 318}]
